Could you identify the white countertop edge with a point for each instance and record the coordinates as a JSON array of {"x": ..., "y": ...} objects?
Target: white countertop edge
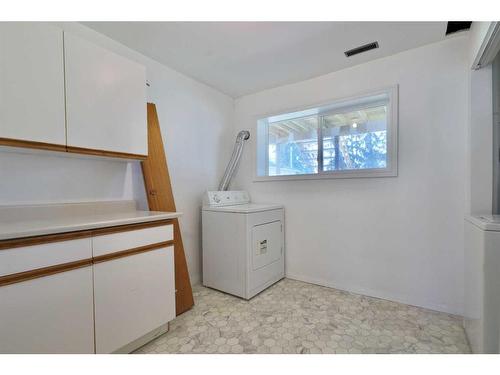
[
  {"x": 485, "y": 222},
  {"x": 247, "y": 208},
  {"x": 157, "y": 215}
]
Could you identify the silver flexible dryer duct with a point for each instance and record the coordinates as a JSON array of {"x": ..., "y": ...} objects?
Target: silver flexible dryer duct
[{"x": 235, "y": 160}]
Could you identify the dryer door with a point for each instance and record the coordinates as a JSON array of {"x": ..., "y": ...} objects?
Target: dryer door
[{"x": 266, "y": 244}]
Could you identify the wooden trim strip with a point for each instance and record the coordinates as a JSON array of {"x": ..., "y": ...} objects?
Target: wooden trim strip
[
  {"x": 130, "y": 227},
  {"x": 9, "y": 142},
  {"x": 111, "y": 154},
  {"x": 43, "y": 239},
  {"x": 133, "y": 251},
  {"x": 52, "y": 270},
  {"x": 48, "y": 238},
  {"x": 31, "y": 144},
  {"x": 41, "y": 272}
]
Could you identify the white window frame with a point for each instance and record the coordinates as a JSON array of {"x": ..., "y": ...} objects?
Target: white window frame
[{"x": 392, "y": 140}]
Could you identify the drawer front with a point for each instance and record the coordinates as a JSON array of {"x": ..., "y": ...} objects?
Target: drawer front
[
  {"x": 52, "y": 314},
  {"x": 28, "y": 258},
  {"x": 133, "y": 296},
  {"x": 115, "y": 242}
]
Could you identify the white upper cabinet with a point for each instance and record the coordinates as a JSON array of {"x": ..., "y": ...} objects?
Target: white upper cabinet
[
  {"x": 105, "y": 99},
  {"x": 32, "y": 82},
  {"x": 59, "y": 89}
]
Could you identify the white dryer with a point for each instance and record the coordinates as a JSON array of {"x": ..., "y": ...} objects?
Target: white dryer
[{"x": 243, "y": 243}]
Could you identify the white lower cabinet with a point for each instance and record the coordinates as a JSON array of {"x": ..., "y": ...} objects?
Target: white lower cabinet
[
  {"x": 122, "y": 295},
  {"x": 50, "y": 314},
  {"x": 133, "y": 296}
]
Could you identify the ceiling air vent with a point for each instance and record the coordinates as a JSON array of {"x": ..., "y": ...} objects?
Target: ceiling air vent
[
  {"x": 456, "y": 26},
  {"x": 361, "y": 49}
]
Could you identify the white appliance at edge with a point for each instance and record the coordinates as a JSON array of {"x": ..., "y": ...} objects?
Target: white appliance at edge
[
  {"x": 243, "y": 242},
  {"x": 482, "y": 283}
]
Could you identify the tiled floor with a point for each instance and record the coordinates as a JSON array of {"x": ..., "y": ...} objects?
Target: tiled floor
[{"x": 296, "y": 317}]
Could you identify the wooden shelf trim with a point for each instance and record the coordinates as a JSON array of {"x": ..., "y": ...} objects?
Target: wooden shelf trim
[
  {"x": 68, "y": 236},
  {"x": 130, "y": 227},
  {"x": 41, "y": 272},
  {"x": 70, "y": 149},
  {"x": 31, "y": 144},
  {"x": 58, "y": 268},
  {"x": 133, "y": 251},
  {"x": 111, "y": 154}
]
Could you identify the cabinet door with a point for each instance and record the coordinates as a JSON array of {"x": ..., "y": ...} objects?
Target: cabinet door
[
  {"x": 51, "y": 314},
  {"x": 133, "y": 296},
  {"x": 105, "y": 99},
  {"x": 32, "y": 82}
]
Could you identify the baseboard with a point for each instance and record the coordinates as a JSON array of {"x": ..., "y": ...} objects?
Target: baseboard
[
  {"x": 143, "y": 340},
  {"x": 454, "y": 310}
]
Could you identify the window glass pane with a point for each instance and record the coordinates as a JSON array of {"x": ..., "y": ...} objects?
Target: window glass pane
[
  {"x": 355, "y": 139},
  {"x": 293, "y": 146},
  {"x": 355, "y": 134}
]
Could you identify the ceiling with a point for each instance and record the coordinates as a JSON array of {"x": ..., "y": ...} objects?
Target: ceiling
[{"x": 240, "y": 58}]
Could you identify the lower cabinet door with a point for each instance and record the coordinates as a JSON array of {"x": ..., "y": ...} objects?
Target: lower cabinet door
[
  {"x": 50, "y": 314},
  {"x": 133, "y": 296}
]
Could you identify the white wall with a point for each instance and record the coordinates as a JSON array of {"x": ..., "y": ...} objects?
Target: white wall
[
  {"x": 399, "y": 238},
  {"x": 196, "y": 123}
]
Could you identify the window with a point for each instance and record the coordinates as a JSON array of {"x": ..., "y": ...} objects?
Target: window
[{"x": 354, "y": 137}]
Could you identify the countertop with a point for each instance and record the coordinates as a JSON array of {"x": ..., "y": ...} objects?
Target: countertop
[
  {"x": 485, "y": 222},
  {"x": 36, "y": 220}
]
